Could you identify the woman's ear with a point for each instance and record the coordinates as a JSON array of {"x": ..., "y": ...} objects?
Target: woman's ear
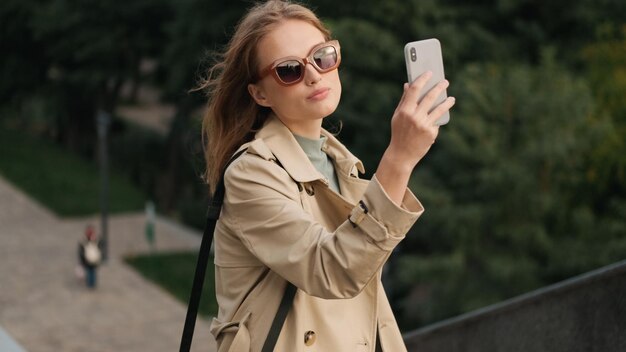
[{"x": 256, "y": 92}]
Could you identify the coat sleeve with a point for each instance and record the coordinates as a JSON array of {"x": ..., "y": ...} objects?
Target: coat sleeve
[{"x": 264, "y": 206}]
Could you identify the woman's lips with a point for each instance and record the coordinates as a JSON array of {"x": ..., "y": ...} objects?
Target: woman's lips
[{"x": 319, "y": 94}]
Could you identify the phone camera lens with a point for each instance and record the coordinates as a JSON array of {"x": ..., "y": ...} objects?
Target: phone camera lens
[{"x": 413, "y": 54}]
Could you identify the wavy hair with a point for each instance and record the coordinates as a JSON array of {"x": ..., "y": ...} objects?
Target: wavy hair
[{"x": 232, "y": 116}]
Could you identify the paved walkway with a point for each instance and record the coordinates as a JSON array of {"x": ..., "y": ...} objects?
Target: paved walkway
[{"x": 43, "y": 306}]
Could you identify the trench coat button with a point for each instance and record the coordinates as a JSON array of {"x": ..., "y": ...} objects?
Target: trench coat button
[{"x": 309, "y": 338}]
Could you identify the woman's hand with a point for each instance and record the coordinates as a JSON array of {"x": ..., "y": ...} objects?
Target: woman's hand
[{"x": 413, "y": 132}]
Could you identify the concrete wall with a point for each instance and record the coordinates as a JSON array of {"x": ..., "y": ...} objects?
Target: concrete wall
[{"x": 586, "y": 313}]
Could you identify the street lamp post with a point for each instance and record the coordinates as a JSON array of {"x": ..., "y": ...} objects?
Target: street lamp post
[{"x": 103, "y": 120}]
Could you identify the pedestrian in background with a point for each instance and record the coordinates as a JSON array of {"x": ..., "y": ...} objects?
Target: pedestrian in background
[{"x": 90, "y": 256}]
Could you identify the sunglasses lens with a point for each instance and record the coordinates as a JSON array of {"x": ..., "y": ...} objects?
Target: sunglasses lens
[
  {"x": 289, "y": 71},
  {"x": 325, "y": 58}
]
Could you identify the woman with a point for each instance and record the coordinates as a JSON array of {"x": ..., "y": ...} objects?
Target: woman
[{"x": 294, "y": 209}]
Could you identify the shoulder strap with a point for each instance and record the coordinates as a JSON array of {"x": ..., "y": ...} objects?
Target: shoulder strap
[
  {"x": 213, "y": 213},
  {"x": 279, "y": 319}
]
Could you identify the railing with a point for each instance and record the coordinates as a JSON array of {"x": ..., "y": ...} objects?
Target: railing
[{"x": 585, "y": 313}]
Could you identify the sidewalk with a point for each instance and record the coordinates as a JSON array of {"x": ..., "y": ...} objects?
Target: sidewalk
[
  {"x": 7, "y": 344},
  {"x": 43, "y": 307}
]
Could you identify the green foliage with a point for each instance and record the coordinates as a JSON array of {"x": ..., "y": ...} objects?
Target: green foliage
[
  {"x": 139, "y": 152},
  {"x": 174, "y": 272},
  {"x": 92, "y": 42},
  {"x": 63, "y": 182},
  {"x": 88, "y": 50},
  {"x": 606, "y": 69},
  {"x": 24, "y": 62},
  {"x": 369, "y": 89},
  {"x": 194, "y": 33}
]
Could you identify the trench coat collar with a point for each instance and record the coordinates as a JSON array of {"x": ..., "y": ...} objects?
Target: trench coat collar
[{"x": 286, "y": 149}]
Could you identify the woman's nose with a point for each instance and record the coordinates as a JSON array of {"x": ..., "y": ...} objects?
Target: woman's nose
[{"x": 311, "y": 75}]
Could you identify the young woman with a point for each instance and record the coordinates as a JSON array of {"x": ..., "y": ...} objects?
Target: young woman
[{"x": 295, "y": 210}]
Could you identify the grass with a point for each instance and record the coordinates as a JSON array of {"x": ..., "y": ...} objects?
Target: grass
[
  {"x": 174, "y": 272},
  {"x": 61, "y": 181}
]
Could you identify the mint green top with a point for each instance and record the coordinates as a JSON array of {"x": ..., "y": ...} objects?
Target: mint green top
[{"x": 322, "y": 162}]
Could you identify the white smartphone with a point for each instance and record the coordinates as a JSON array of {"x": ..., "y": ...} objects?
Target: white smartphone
[{"x": 425, "y": 55}]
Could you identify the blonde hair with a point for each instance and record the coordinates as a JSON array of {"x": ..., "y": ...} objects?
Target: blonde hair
[{"x": 232, "y": 116}]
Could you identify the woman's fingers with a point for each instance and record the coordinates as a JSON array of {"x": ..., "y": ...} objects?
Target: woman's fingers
[
  {"x": 413, "y": 128},
  {"x": 405, "y": 87},
  {"x": 408, "y": 102},
  {"x": 426, "y": 104},
  {"x": 441, "y": 109}
]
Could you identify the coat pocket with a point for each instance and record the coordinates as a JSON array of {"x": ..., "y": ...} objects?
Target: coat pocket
[{"x": 240, "y": 341}]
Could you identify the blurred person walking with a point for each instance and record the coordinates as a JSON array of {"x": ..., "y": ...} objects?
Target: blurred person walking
[{"x": 90, "y": 256}]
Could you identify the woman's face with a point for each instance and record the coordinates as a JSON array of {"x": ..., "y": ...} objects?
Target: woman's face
[{"x": 304, "y": 104}]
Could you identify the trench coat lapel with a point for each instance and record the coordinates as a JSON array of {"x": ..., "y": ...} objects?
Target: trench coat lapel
[{"x": 286, "y": 149}]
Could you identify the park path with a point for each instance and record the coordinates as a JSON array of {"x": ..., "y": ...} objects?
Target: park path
[{"x": 44, "y": 307}]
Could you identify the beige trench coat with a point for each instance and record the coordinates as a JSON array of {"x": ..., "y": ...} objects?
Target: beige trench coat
[{"x": 283, "y": 222}]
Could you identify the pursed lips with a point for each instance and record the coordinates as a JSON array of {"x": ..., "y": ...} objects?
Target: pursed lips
[{"x": 319, "y": 94}]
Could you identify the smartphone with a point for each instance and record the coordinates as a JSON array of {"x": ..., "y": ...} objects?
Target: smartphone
[{"x": 425, "y": 55}]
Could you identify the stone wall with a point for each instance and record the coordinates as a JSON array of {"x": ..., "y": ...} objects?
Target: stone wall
[{"x": 586, "y": 313}]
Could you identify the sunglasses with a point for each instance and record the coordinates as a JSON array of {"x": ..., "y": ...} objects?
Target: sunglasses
[{"x": 289, "y": 70}]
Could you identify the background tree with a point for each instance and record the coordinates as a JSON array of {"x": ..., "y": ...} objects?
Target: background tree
[
  {"x": 24, "y": 63},
  {"x": 200, "y": 29},
  {"x": 93, "y": 48}
]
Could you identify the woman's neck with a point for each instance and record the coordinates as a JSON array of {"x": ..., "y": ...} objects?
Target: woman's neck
[{"x": 311, "y": 129}]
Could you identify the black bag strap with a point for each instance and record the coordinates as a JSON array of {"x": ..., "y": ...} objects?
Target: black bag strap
[
  {"x": 213, "y": 213},
  {"x": 279, "y": 320},
  {"x": 198, "y": 282}
]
